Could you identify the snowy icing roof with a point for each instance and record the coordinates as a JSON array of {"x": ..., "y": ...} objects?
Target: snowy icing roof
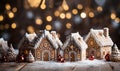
[
  {"x": 100, "y": 37},
  {"x": 52, "y": 37},
  {"x": 30, "y": 36},
  {"x": 4, "y": 45},
  {"x": 77, "y": 39}
]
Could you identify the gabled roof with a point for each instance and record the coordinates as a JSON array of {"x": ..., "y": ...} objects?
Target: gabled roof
[
  {"x": 75, "y": 37},
  {"x": 52, "y": 37},
  {"x": 100, "y": 37},
  {"x": 34, "y": 39}
]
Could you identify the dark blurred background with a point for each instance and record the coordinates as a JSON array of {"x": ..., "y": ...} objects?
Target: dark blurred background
[{"x": 64, "y": 16}]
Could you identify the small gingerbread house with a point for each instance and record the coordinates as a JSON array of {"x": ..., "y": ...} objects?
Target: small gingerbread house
[
  {"x": 42, "y": 45},
  {"x": 99, "y": 43},
  {"x": 74, "y": 48}
]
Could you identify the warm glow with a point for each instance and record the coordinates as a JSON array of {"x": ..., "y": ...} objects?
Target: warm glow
[
  {"x": 7, "y": 6},
  {"x": 75, "y": 11},
  {"x": 113, "y": 16},
  {"x": 49, "y": 18},
  {"x": 11, "y": 14},
  {"x": 83, "y": 15},
  {"x": 43, "y": 6},
  {"x": 1, "y": 18},
  {"x": 6, "y": 26},
  {"x": 68, "y": 25},
  {"x": 38, "y": 21},
  {"x": 68, "y": 15},
  {"x": 14, "y": 9},
  {"x": 30, "y": 29},
  {"x": 13, "y": 25},
  {"x": 91, "y": 14},
  {"x": 65, "y": 6},
  {"x": 34, "y": 3},
  {"x": 56, "y": 13},
  {"x": 48, "y": 27},
  {"x": 99, "y": 8},
  {"x": 62, "y": 15},
  {"x": 79, "y": 6}
]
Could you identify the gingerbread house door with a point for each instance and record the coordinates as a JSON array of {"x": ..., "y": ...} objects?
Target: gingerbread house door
[{"x": 46, "y": 57}]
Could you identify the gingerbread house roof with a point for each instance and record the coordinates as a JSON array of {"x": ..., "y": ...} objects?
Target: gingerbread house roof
[
  {"x": 35, "y": 39},
  {"x": 3, "y": 45},
  {"x": 101, "y": 36},
  {"x": 52, "y": 37},
  {"x": 75, "y": 37}
]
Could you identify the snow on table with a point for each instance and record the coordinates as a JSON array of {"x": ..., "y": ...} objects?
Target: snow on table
[{"x": 86, "y": 65}]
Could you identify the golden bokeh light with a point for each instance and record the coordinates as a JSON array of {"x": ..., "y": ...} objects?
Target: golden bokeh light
[
  {"x": 79, "y": 6},
  {"x": 38, "y": 21},
  {"x": 99, "y": 9},
  {"x": 113, "y": 15},
  {"x": 65, "y": 6},
  {"x": 43, "y": 6},
  {"x": 48, "y": 27},
  {"x": 7, "y": 6},
  {"x": 62, "y": 16},
  {"x": 56, "y": 13},
  {"x": 68, "y": 15},
  {"x": 75, "y": 11},
  {"x": 6, "y": 26},
  {"x": 1, "y": 18},
  {"x": 34, "y": 3},
  {"x": 91, "y": 14},
  {"x": 68, "y": 25},
  {"x": 49, "y": 18},
  {"x": 11, "y": 14},
  {"x": 30, "y": 29},
  {"x": 13, "y": 25},
  {"x": 14, "y": 9},
  {"x": 83, "y": 15}
]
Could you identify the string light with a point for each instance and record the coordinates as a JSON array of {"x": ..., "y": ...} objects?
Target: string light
[
  {"x": 62, "y": 16},
  {"x": 65, "y": 6},
  {"x": 68, "y": 25},
  {"x": 113, "y": 15},
  {"x": 79, "y": 6},
  {"x": 1, "y": 18},
  {"x": 13, "y": 25},
  {"x": 7, "y": 6},
  {"x": 56, "y": 13},
  {"x": 68, "y": 15},
  {"x": 99, "y": 9},
  {"x": 34, "y": 3},
  {"x": 11, "y": 14},
  {"x": 49, "y": 18},
  {"x": 43, "y": 6},
  {"x": 38, "y": 21},
  {"x": 30, "y": 29},
  {"x": 91, "y": 14},
  {"x": 83, "y": 15},
  {"x": 48, "y": 27},
  {"x": 6, "y": 26},
  {"x": 14, "y": 9},
  {"x": 75, "y": 11}
]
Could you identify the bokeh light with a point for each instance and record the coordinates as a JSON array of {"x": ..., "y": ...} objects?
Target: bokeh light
[
  {"x": 6, "y": 26},
  {"x": 14, "y": 9},
  {"x": 11, "y": 14},
  {"x": 91, "y": 14},
  {"x": 48, "y": 27},
  {"x": 13, "y": 25},
  {"x": 1, "y": 18},
  {"x": 38, "y": 21},
  {"x": 75, "y": 11},
  {"x": 7, "y": 6},
  {"x": 68, "y": 25},
  {"x": 30, "y": 29},
  {"x": 99, "y": 9},
  {"x": 79, "y": 6},
  {"x": 83, "y": 15},
  {"x": 68, "y": 15},
  {"x": 49, "y": 18},
  {"x": 62, "y": 16},
  {"x": 113, "y": 15},
  {"x": 56, "y": 13}
]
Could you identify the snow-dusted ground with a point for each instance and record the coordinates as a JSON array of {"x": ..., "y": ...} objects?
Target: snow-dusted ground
[{"x": 87, "y": 65}]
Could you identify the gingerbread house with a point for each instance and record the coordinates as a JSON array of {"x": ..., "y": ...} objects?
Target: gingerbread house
[
  {"x": 43, "y": 45},
  {"x": 99, "y": 43},
  {"x": 74, "y": 48}
]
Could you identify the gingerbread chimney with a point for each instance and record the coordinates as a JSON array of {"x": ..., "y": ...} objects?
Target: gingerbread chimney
[{"x": 106, "y": 32}]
